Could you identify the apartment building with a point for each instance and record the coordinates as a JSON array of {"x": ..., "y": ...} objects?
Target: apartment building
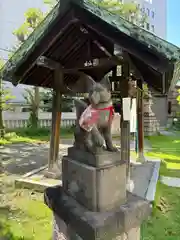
[{"x": 156, "y": 11}]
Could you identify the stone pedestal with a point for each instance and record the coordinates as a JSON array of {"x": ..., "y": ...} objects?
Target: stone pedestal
[
  {"x": 93, "y": 203},
  {"x": 62, "y": 232},
  {"x": 120, "y": 224},
  {"x": 98, "y": 189}
]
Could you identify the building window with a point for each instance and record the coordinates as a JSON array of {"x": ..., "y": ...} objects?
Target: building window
[
  {"x": 147, "y": 26},
  {"x": 149, "y": 1},
  {"x": 152, "y": 28},
  {"x": 148, "y": 12},
  {"x": 152, "y": 14},
  {"x": 143, "y": 10}
]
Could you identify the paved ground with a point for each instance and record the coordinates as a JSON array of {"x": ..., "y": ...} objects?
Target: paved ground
[
  {"x": 141, "y": 175},
  {"x": 21, "y": 158}
]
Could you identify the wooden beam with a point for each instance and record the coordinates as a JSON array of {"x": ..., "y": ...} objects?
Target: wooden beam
[
  {"x": 128, "y": 44},
  {"x": 43, "y": 61},
  {"x": 52, "y": 65},
  {"x": 94, "y": 36},
  {"x": 46, "y": 43},
  {"x": 125, "y": 125},
  {"x": 56, "y": 120},
  {"x": 140, "y": 119}
]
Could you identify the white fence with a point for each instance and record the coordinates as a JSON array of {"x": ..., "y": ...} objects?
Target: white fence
[{"x": 20, "y": 120}]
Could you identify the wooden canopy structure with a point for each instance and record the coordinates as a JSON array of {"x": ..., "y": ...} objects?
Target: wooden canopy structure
[
  {"x": 77, "y": 31},
  {"x": 79, "y": 37}
]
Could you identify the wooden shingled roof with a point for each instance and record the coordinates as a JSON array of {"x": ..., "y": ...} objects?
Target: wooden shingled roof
[{"x": 75, "y": 31}]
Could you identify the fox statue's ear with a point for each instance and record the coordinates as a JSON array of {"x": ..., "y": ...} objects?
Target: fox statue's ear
[
  {"x": 84, "y": 84},
  {"x": 90, "y": 83},
  {"x": 106, "y": 82}
]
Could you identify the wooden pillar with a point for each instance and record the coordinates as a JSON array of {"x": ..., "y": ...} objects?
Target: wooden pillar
[
  {"x": 125, "y": 125},
  {"x": 140, "y": 120},
  {"x": 56, "y": 119}
]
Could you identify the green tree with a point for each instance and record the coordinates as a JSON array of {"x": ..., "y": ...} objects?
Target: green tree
[
  {"x": 46, "y": 98},
  {"x": 33, "y": 17},
  {"x": 178, "y": 97},
  {"x": 130, "y": 11},
  {"x": 32, "y": 97},
  {"x": 51, "y": 3},
  {"x": 5, "y": 97}
]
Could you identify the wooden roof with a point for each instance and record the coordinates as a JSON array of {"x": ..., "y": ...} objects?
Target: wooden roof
[{"x": 76, "y": 31}]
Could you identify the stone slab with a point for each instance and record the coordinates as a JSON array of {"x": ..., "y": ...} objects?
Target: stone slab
[
  {"x": 61, "y": 231},
  {"x": 98, "y": 189},
  {"x": 141, "y": 175},
  {"x": 95, "y": 225},
  {"x": 96, "y": 160},
  {"x": 170, "y": 181},
  {"x": 38, "y": 186},
  {"x": 150, "y": 194}
]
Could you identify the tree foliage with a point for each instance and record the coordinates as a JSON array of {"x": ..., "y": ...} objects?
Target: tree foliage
[
  {"x": 130, "y": 11},
  {"x": 5, "y": 97},
  {"x": 178, "y": 97},
  {"x": 33, "y": 17},
  {"x": 46, "y": 98}
]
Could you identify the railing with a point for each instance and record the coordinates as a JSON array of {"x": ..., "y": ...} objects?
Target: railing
[
  {"x": 20, "y": 120},
  {"x": 18, "y": 123}
]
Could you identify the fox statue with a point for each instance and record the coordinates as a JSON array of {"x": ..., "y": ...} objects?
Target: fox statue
[{"x": 93, "y": 121}]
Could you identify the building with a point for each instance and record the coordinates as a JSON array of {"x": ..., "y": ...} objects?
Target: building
[{"x": 156, "y": 11}]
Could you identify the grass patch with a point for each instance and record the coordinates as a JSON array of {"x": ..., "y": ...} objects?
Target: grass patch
[
  {"x": 164, "y": 223},
  {"x": 23, "y": 215},
  {"x": 166, "y": 148},
  {"x": 29, "y": 135}
]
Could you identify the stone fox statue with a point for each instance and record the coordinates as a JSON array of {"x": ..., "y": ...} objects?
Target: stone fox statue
[{"x": 93, "y": 125}]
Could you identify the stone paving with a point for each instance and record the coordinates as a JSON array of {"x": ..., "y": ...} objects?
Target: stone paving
[
  {"x": 170, "y": 181},
  {"x": 22, "y": 158}
]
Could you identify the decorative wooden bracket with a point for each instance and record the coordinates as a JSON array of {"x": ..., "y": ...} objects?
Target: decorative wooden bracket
[
  {"x": 47, "y": 63},
  {"x": 52, "y": 65}
]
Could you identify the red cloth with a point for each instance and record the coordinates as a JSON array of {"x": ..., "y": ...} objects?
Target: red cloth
[{"x": 90, "y": 117}]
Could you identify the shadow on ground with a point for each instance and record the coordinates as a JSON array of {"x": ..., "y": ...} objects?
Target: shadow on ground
[{"x": 21, "y": 158}]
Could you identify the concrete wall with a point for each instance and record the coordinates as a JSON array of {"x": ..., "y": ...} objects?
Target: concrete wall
[{"x": 159, "y": 107}]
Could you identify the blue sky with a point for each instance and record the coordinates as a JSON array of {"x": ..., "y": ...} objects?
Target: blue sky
[{"x": 173, "y": 21}]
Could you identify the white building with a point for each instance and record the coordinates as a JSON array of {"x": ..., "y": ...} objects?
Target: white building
[{"x": 156, "y": 11}]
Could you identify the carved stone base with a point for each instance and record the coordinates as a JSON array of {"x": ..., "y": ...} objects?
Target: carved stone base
[
  {"x": 61, "y": 231},
  {"x": 98, "y": 189},
  {"x": 120, "y": 224},
  {"x": 100, "y": 159}
]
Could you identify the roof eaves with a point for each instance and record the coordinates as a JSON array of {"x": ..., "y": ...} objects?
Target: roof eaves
[
  {"x": 170, "y": 51},
  {"x": 31, "y": 41}
]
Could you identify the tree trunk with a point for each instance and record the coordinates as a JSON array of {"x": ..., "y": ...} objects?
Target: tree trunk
[
  {"x": 1, "y": 123},
  {"x": 35, "y": 108},
  {"x": 1, "y": 112}
]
